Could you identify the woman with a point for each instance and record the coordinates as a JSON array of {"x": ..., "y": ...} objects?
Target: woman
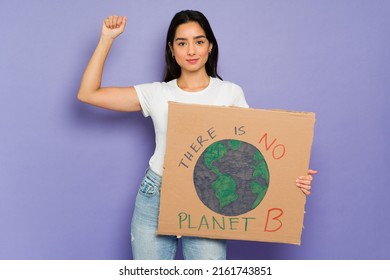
[{"x": 191, "y": 56}]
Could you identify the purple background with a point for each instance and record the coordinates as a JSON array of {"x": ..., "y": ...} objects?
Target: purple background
[{"x": 69, "y": 172}]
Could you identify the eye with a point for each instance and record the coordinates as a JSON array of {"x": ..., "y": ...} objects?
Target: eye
[
  {"x": 181, "y": 44},
  {"x": 201, "y": 42}
]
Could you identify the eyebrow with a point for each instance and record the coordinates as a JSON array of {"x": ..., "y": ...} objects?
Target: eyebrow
[{"x": 185, "y": 39}]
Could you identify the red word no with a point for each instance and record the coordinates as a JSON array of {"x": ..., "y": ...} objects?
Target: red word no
[{"x": 278, "y": 151}]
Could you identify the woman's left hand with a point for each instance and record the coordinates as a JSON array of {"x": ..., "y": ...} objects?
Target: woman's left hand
[{"x": 304, "y": 182}]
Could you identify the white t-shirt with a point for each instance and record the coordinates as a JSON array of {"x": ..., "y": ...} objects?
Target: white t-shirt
[{"x": 154, "y": 99}]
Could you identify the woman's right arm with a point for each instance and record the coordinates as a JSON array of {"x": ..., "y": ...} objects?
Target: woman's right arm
[{"x": 90, "y": 91}]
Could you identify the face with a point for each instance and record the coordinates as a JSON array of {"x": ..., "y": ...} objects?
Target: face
[{"x": 191, "y": 47}]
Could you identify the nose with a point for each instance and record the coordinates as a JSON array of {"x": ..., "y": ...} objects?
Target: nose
[{"x": 191, "y": 49}]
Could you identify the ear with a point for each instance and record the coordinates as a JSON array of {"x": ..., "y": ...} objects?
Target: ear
[
  {"x": 170, "y": 47},
  {"x": 211, "y": 47}
]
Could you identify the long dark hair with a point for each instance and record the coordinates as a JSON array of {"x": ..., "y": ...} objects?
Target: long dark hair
[{"x": 173, "y": 70}]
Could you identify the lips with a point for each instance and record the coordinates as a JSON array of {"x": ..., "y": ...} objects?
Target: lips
[{"x": 192, "y": 61}]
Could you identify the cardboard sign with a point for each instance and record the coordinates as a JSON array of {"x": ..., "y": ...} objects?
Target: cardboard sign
[{"x": 229, "y": 173}]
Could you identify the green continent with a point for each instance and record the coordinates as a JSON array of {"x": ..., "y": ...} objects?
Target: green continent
[
  {"x": 224, "y": 186},
  {"x": 214, "y": 152},
  {"x": 260, "y": 190},
  {"x": 260, "y": 170},
  {"x": 225, "y": 190},
  {"x": 234, "y": 144}
]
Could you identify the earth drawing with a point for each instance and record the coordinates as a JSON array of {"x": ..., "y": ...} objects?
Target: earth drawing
[{"x": 231, "y": 177}]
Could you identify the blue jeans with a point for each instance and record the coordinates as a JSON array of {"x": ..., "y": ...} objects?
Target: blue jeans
[{"x": 145, "y": 242}]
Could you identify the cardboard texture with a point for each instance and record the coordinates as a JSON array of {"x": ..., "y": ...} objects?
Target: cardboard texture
[{"x": 229, "y": 173}]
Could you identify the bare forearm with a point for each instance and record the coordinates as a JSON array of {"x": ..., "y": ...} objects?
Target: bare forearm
[{"x": 92, "y": 78}]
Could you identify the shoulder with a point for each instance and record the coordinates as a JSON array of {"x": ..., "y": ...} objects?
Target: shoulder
[
  {"x": 226, "y": 85},
  {"x": 228, "y": 88},
  {"x": 231, "y": 91},
  {"x": 155, "y": 87},
  {"x": 148, "y": 86},
  {"x": 154, "y": 96}
]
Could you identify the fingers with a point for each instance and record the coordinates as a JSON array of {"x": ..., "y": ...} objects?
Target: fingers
[
  {"x": 113, "y": 22},
  {"x": 305, "y": 188},
  {"x": 305, "y": 191},
  {"x": 305, "y": 182},
  {"x": 312, "y": 172}
]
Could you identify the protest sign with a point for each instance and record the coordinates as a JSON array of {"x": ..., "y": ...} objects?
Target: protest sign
[{"x": 229, "y": 173}]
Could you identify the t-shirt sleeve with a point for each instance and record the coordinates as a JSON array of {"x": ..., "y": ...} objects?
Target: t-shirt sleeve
[
  {"x": 239, "y": 99},
  {"x": 146, "y": 94}
]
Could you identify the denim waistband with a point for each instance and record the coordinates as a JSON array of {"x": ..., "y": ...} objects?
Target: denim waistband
[{"x": 153, "y": 176}]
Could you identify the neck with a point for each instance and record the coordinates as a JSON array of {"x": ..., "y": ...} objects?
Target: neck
[{"x": 193, "y": 82}]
